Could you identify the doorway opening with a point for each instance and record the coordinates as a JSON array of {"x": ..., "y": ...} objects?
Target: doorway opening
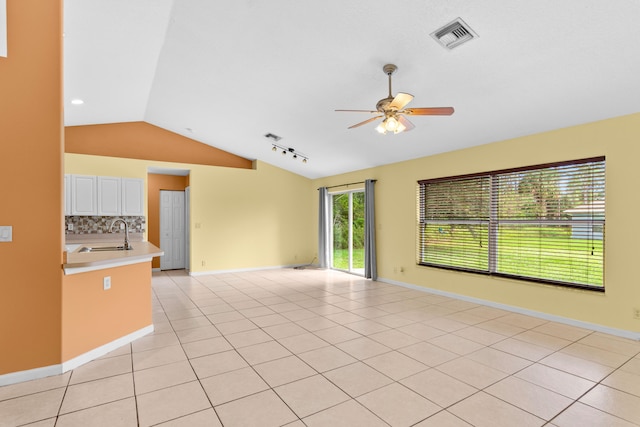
[
  {"x": 165, "y": 179},
  {"x": 347, "y": 231}
]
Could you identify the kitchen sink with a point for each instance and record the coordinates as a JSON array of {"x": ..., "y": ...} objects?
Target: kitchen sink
[{"x": 104, "y": 249}]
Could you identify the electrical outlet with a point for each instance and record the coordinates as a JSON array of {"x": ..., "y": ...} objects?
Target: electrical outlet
[
  {"x": 106, "y": 283},
  {"x": 6, "y": 233},
  {"x": 204, "y": 263},
  {"x": 636, "y": 313},
  {"x": 70, "y": 226}
]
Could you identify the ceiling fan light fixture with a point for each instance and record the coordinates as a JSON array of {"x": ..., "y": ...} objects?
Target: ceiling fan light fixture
[
  {"x": 392, "y": 110},
  {"x": 391, "y": 124}
]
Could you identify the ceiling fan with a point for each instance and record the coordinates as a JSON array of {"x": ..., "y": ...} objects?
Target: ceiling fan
[{"x": 393, "y": 110}]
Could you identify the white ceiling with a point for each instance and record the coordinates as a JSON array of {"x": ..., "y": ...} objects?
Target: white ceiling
[{"x": 226, "y": 73}]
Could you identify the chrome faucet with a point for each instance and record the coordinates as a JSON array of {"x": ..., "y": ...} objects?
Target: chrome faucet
[{"x": 127, "y": 246}]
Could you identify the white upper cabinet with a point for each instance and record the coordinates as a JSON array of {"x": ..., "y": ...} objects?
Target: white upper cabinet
[
  {"x": 89, "y": 195},
  {"x": 84, "y": 195},
  {"x": 109, "y": 196},
  {"x": 67, "y": 194},
  {"x": 132, "y": 197}
]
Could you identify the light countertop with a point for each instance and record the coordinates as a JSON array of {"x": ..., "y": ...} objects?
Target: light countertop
[{"x": 80, "y": 262}]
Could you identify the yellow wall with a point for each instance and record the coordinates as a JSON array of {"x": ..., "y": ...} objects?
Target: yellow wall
[
  {"x": 31, "y": 148},
  {"x": 617, "y": 139},
  {"x": 240, "y": 218}
]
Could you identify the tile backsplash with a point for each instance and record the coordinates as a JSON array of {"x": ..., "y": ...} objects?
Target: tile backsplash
[{"x": 93, "y": 225}]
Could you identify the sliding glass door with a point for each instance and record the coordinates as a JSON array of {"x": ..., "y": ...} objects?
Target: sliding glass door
[{"x": 347, "y": 231}]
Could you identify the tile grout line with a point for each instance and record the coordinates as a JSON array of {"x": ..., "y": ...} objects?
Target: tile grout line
[
  {"x": 446, "y": 332},
  {"x": 252, "y": 368},
  {"x": 594, "y": 386},
  {"x": 191, "y": 365}
]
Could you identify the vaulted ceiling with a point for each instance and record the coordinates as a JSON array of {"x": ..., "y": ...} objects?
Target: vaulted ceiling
[{"x": 226, "y": 73}]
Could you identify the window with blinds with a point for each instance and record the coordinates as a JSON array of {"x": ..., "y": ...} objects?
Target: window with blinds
[{"x": 542, "y": 223}]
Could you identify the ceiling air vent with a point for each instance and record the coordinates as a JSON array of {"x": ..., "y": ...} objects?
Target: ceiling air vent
[
  {"x": 272, "y": 136},
  {"x": 454, "y": 34}
]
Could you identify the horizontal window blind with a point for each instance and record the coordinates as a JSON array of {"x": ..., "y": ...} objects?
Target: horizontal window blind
[
  {"x": 455, "y": 223},
  {"x": 543, "y": 223}
]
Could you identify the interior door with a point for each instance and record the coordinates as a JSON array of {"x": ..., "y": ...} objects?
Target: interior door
[
  {"x": 347, "y": 233},
  {"x": 172, "y": 229}
]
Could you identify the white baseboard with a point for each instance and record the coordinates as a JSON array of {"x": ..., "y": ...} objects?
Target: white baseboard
[
  {"x": 242, "y": 270},
  {"x": 104, "y": 349},
  {"x": 551, "y": 317},
  {"x": 47, "y": 371},
  {"x": 31, "y": 374}
]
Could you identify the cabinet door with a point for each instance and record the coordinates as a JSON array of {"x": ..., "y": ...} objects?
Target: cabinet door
[
  {"x": 84, "y": 200},
  {"x": 109, "y": 196},
  {"x": 132, "y": 197},
  {"x": 67, "y": 194}
]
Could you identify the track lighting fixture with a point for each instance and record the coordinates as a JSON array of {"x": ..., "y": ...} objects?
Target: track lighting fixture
[
  {"x": 288, "y": 150},
  {"x": 275, "y": 147}
]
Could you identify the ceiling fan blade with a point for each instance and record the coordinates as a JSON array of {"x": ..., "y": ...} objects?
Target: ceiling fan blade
[
  {"x": 433, "y": 111},
  {"x": 365, "y": 122},
  {"x": 406, "y": 123},
  {"x": 400, "y": 101},
  {"x": 359, "y": 111}
]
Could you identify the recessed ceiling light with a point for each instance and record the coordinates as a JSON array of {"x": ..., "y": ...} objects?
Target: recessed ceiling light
[{"x": 77, "y": 101}]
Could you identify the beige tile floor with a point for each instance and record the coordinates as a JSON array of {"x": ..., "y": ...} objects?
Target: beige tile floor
[{"x": 323, "y": 348}]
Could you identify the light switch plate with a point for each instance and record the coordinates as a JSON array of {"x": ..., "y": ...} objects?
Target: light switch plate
[{"x": 6, "y": 233}]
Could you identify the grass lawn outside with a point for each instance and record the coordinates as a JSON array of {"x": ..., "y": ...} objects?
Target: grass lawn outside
[
  {"x": 539, "y": 252},
  {"x": 341, "y": 259}
]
